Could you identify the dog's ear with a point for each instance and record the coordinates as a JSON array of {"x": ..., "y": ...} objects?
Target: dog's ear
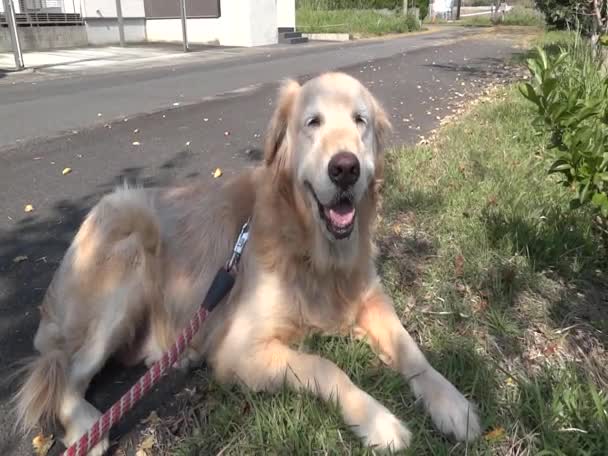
[
  {"x": 382, "y": 125},
  {"x": 277, "y": 129}
]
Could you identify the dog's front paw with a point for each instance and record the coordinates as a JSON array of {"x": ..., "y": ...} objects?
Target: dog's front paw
[
  {"x": 382, "y": 430},
  {"x": 451, "y": 412}
]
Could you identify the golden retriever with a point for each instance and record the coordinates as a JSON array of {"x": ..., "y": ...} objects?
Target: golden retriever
[{"x": 143, "y": 259}]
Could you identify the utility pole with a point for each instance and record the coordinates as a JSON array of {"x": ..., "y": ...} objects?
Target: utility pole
[
  {"x": 9, "y": 12},
  {"x": 121, "y": 23},
  {"x": 458, "y": 10},
  {"x": 182, "y": 9}
]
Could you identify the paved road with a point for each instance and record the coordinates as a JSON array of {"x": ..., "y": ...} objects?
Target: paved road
[
  {"x": 40, "y": 109},
  {"x": 418, "y": 79}
]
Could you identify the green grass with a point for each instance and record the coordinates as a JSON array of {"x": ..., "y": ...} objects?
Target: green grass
[
  {"x": 518, "y": 16},
  {"x": 361, "y": 22},
  {"x": 499, "y": 282}
]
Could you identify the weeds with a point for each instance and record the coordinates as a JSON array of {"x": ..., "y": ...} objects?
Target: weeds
[
  {"x": 497, "y": 280},
  {"x": 363, "y": 22}
]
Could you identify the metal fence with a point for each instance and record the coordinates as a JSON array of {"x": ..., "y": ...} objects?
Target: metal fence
[{"x": 42, "y": 19}]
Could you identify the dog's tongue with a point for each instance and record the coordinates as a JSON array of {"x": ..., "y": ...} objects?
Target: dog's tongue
[{"x": 341, "y": 215}]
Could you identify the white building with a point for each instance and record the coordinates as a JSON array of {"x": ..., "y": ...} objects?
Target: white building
[{"x": 223, "y": 22}]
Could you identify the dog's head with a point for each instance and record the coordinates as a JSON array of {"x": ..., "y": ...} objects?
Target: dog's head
[{"x": 327, "y": 136}]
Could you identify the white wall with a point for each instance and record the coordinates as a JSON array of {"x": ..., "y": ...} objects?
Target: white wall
[
  {"x": 105, "y": 31},
  {"x": 286, "y": 13},
  {"x": 15, "y": 6},
  {"x": 242, "y": 23},
  {"x": 107, "y": 8}
]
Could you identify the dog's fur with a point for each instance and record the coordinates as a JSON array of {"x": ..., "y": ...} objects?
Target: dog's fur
[{"x": 143, "y": 259}]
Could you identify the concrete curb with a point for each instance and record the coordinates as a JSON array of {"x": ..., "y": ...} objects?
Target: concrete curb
[{"x": 328, "y": 36}]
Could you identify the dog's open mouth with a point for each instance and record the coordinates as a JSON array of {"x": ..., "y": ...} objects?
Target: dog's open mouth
[{"x": 339, "y": 215}]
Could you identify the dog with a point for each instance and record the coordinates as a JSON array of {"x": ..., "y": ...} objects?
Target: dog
[{"x": 142, "y": 260}]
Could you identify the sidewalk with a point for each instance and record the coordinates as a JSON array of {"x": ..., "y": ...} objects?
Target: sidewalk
[
  {"x": 116, "y": 58},
  {"x": 80, "y": 59}
]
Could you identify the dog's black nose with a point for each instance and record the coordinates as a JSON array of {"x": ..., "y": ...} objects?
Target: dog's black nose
[{"x": 344, "y": 169}]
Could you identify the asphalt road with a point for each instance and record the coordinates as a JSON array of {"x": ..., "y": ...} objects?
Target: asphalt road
[
  {"x": 42, "y": 108},
  {"x": 418, "y": 79}
]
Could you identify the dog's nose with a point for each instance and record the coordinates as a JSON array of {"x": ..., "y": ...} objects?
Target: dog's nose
[{"x": 344, "y": 169}]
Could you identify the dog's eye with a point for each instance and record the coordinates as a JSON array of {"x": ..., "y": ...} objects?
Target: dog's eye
[
  {"x": 314, "y": 121},
  {"x": 359, "y": 119}
]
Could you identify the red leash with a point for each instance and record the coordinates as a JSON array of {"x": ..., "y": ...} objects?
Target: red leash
[{"x": 221, "y": 285}]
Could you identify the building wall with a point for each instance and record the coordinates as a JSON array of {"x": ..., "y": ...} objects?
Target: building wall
[
  {"x": 286, "y": 13},
  {"x": 242, "y": 23},
  {"x": 39, "y": 38},
  {"x": 105, "y": 31},
  {"x": 262, "y": 22},
  {"x": 107, "y": 8}
]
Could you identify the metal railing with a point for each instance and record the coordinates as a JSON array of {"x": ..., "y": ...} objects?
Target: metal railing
[{"x": 37, "y": 19}]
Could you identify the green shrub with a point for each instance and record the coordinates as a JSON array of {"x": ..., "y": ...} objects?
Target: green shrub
[
  {"x": 570, "y": 92},
  {"x": 520, "y": 15},
  {"x": 567, "y": 14},
  {"x": 423, "y": 6},
  {"x": 365, "y": 22},
  {"x": 326, "y": 5},
  {"x": 349, "y": 4}
]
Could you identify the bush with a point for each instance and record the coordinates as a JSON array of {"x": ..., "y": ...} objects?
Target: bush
[
  {"x": 520, "y": 15},
  {"x": 365, "y": 22},
  {"x": 567, "y": 14},
  {"x": 326, "y": 5},
  {"x": 570, "y": 92},
  {"x": 349, "y": 4},
  {"x": 423, "y": 6}
]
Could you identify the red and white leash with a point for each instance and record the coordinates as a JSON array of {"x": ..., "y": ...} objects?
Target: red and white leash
[{"x": 221, "y": 285}]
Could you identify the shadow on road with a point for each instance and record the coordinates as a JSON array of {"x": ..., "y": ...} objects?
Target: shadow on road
[{"x": 44, "y": 240}]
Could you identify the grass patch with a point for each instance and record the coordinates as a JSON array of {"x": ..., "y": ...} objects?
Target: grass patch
[
  {"x": 360, "y": 22},
  {"x": 498, "y": 281},
  {"x": 518, "y": 16}
]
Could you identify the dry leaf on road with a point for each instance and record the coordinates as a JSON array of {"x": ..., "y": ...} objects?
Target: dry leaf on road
[
  {"x": 19, "y": 259},
  {"x": 136, "y": 143},
  {"x": 217, "y": 173},
  {"x": 152, "y": 419},
  {"x": 28, "y": 208},
  {"x": 42, "y": 444},
  {"x": 496, "y": 434},
  {"x": 67, "y": 170},
  {"x": 145, "y": 446}
]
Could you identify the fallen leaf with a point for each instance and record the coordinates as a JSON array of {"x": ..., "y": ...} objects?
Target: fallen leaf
[
  {"x": 28, "y": 208},
  {"x": 176, "y": 103},
  {"x": 99, "y": 114},
  {"x": 136, "y": 130},
  {"x": 188, "y": 143},
  {"x": 496, "y": 434},
  {"x": 19, "y": 259},
  {"x": 459, "y": 266},
  {"x": 205, "y": 119},
  {"x": 67, "y": 170},
  {"x": 217, "y": 173},
  {"x": 226, "y": 133},
  {"x": 42, "y": 444},
  {"x": 147, "y": 443},
  {"x": 152, "y": 419},
  {"x": 136, "y": 143}
]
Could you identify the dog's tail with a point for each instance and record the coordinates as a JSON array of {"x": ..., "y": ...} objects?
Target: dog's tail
[{"x": 44, "y": 380}]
